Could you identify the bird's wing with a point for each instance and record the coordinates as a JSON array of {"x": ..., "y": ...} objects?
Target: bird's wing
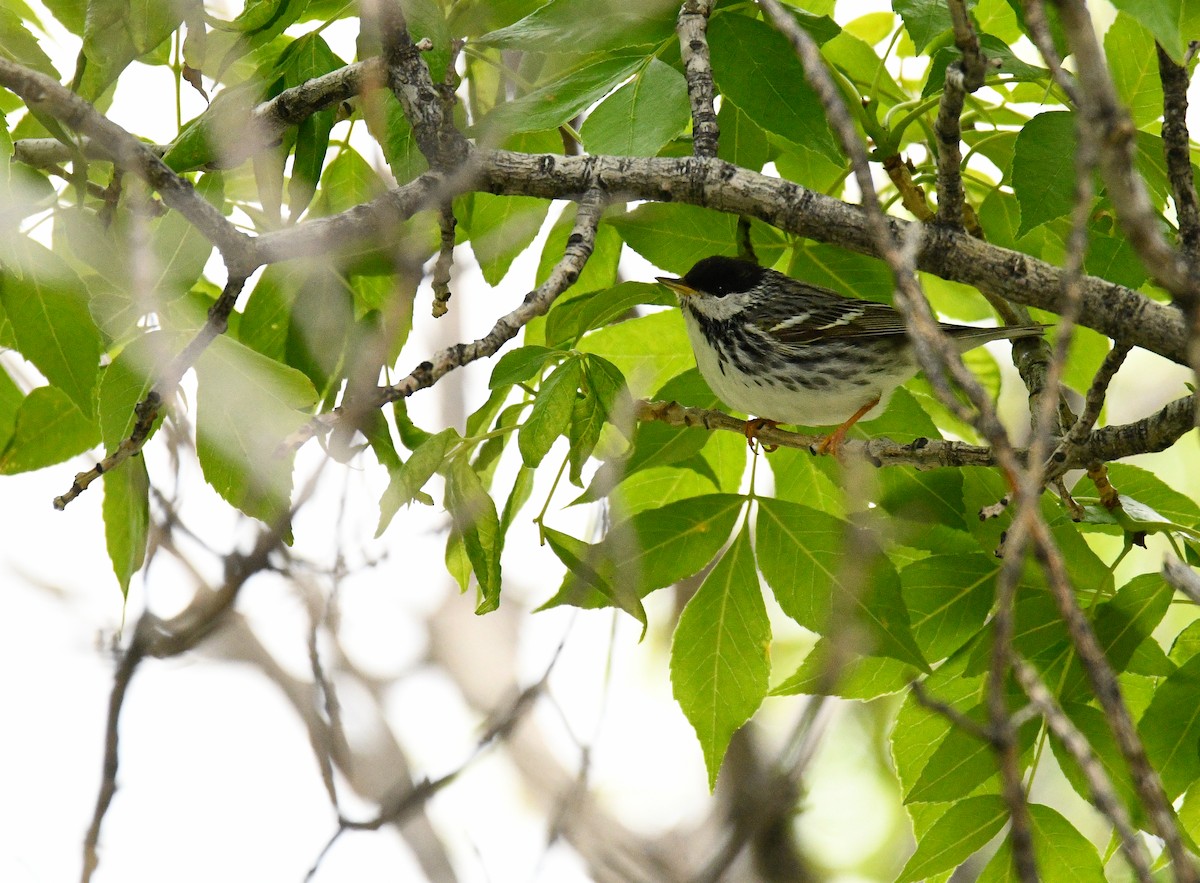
[{"x": 827, "y": 316}]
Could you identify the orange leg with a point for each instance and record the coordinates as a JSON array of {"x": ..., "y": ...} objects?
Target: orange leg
[
  {"x": 754, "y": 427},
  {"x": 832, "y": 443}
]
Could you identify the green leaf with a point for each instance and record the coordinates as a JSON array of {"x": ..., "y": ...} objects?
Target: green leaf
[
  {"x": 825, "y": 672},
  {"x": 674, "y": 236},
  {"x": 588, "y": 26},
  {"x": 257, "y": 25},
  {"x": 411, "y": 476},
  {"x": 1063, "y": 854},
  {"x": 657, "y": 547},
  {"x": 742, "y": 141},
  {"x": 127, "y": 518},
  {"x": 17, "y": 44},
  {"x": 10, "y": 402},
  {"x": 474, "y": 518},
  {"x": 180, "y": 250},
  {"x": 720, "y": 652},
  {"x": 117, "y": 32},
  {"x": 1163, "y": 19},
  {"x": 846, "y": 273},
  {"x": 127, "y": 381},
  {"x": 642, "y": 116},
  {"x": 802, "y": 478},
  {"x": 1090, "y": 721},
  {"x": 1149, "y": 489},
  {"x": 561, "y": 99},
  {"x": 517, "y": 366},
  {"x": 648, "y": 350},
  {"x": 923, "y": 19},
  {"x": 347, "y": 181},
  {"x": 1122, "y": 624},
  {"x": 246, "y": 405},
  {"x": 998, "y": 54},
  {"x": 965, "y": 828},
  {"x": 1043, "y": 171},
  {"x": 758, "y": 69},
  {"x": 1170, "y": 728},
  {"x": 201, "y": 140},
  {"x": 802, "y": 553},
  {"x": 49, "y": 429},
  {"x": 578, "y": 556},
  {"x": 960, "y": 763},
  {"x": 500, "y": 228},
  {"x": 948, "y": 598},
  {"x": 47, "y": 306},
  {"x": 918, "y": 731},
  {"x": 303, "y": 60},
  {"x": 1133, "y": 62},
  {"x": 551, "y": 412},
  {"x": 600, "y": 394},
  {"x": 596, "y": 309}
]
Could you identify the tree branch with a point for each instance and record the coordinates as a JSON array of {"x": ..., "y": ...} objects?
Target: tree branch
[
  {"x": 128, "y": 153},
  {"x": 697, "y": 66},
  {"x": 963, "y": 76},
  {"x": 1104, "y": 797},
  {"x": 1178, "y": 154}
]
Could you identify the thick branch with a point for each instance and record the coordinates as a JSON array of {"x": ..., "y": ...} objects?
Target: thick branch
[{"x": 1111, "y": 309}]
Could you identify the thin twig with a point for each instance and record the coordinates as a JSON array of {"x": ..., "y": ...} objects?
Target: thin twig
[
  {"x": 1104, "y": 796},
  {"x": 1178, "y": 154},
  {"x": 1181, "y": 577},
  {"x": 445, "y": 262},
  {"x": 962, "y": 77},
  {"x": 147, "y": 410}
]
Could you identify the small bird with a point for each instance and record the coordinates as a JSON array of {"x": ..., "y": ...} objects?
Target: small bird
[{"x": 791, "y": 352}]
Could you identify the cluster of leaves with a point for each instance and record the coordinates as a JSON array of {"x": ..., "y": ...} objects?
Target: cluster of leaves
[{"x": 907, "y": 582}]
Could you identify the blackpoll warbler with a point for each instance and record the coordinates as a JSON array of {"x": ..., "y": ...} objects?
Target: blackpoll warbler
[{"x": 790, "y": 352}]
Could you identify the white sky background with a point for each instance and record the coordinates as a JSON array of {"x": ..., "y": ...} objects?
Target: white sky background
[{"x": 217, "y": 778}]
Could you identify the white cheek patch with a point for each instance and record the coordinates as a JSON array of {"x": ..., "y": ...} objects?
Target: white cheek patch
[{"x": 717, "y": 309}]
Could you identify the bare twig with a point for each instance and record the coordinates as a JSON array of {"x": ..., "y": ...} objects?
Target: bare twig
[
  {"x": 962, "y": 77},
  {"x": 1177, "y": 152},
  {"x": 158, "y": 638},
  {"x": 445, "y": 262},
  {"x": 1004, "y": 730},
  {"x": 1182, "y": 577},
  {"x": 1092, "y": 406},
  {"x": 163, "y": 390},
  {"x": 1103, "y": 795},
  {"x": 1109, "y": 122}
]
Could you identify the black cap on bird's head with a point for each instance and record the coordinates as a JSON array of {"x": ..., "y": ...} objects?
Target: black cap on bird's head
[{"x": 717, "y": 276}]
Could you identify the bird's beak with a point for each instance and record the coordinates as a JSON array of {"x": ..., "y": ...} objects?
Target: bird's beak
[{"x": 676, "y": 285}]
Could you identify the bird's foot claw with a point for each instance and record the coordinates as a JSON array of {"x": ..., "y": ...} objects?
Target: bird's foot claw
[{"x": 754, "y": 427}]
